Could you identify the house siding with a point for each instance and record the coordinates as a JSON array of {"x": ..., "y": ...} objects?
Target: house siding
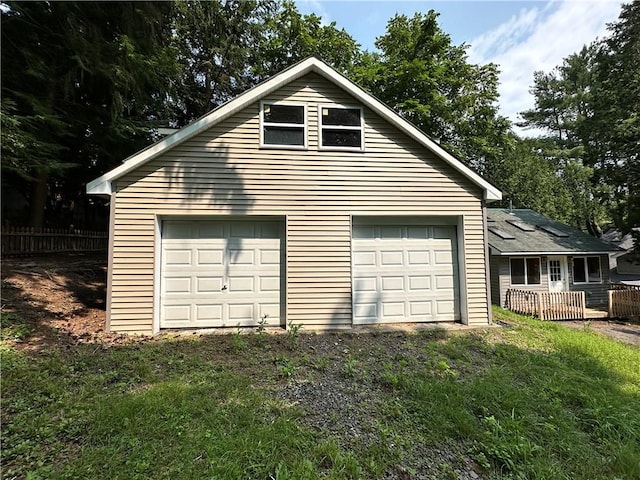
[
  {"x": 504, "y": 269},
  {"x": 223, "y": 171},
  {"x": 596, "y": 294}
]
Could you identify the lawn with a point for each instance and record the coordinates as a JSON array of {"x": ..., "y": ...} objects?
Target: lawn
[{"x": 527, "y": 400}]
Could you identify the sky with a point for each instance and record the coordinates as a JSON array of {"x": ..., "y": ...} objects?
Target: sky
[{"x": 521, "y": 37}]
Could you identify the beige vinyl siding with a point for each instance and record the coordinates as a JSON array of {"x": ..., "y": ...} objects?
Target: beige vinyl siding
[
  {"x": 319, "y": 269},
  {"x": 223, "y": 171}
]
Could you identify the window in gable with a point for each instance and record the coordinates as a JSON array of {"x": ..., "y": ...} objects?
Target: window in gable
[
  {"x": 283, "y": 125},
  {"x": 525, "y": 271},
  {"x": 341, "y": 127},
  {"x": 587, "y": 270}
]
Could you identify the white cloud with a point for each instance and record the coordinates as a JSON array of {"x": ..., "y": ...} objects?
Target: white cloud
[
  {"x": 539, "y": 38},
  {"x": 307, "y": 7}
]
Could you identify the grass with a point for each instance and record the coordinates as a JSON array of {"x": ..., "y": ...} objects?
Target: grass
[{"x": 537, "y": 400}]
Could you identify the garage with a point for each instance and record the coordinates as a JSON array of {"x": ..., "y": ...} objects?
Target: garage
[
  {"x": 220, "y": 273},
  {"x": 404, "y": 273}
]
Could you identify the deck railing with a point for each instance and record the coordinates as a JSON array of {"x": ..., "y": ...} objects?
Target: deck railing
[
  {"x": 624, "y": 301},
  {"x": 547, "y": 305},
  {"x": 32, "y": 241}
]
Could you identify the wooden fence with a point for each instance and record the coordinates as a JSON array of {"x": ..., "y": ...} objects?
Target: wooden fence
[
  {"x": 32, "y": 241},
  {"x": 624, "y": 301},
  {"x": 547, "y": 305}
]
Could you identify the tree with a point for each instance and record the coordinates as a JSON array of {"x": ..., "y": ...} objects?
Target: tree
[
  {"x": 82, "y": 83},
  {"x": 617, "y": 119},
  {"x": 217, "y": 43},
  {"x": 589, "y": 108},
  {"x": 429, "y": 81},
  {"x": 291, "y": 37}
]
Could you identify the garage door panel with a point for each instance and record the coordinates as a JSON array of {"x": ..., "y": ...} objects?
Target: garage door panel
[
  {"x": 219, "y": 273},
  {"x": 208, "y": 284},
  {"x": 419, "y": 283},
  {"x": 391, "y": 258},
  {"x": 210, "y": 257},
  {"x": 177, "y": 312},
  {"x": 443, "y": 257},
  {"x": 418, "y": 257},
  {"x": 404, "y": 273},
  {"x": 177, "y": 285},
  {"x": 392, "y": 284},
  {"x": 269, "y": 284},
  {"x": 208, "y": 312},
  {"x": 444, "y": 282},
  {"x": 269, "y": 257},
  {"x": 420, "y": 309},
  {"x": 364, "y": 259}
]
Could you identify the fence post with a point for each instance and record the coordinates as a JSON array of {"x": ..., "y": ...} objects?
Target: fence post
[
  {"x": 610, "y": 303},
  {"x": 583, "y": 299},
  {"x": 541, "y": 315}
]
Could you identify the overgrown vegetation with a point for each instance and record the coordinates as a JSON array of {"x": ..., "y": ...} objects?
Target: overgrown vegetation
[{"x": 536, "y": 400}]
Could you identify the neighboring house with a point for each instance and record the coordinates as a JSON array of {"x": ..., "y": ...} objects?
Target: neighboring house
[
  {"x": 625, "y": 264},
  {"x": 532, "y": 252},
  {"x": 304, "y": 200}
]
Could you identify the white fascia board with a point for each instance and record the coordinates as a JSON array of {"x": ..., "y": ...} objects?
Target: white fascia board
[
  {"x": 490, "y": 192},
  {"x": 265, "y": 88}
]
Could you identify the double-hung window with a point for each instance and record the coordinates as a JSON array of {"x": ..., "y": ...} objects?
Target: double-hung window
[
  {"x": 587, "y": 270},
  {"x": 283, "y": 125},
  {"x": 525, "y": 271},
  {"x": 340, "y": 127}
]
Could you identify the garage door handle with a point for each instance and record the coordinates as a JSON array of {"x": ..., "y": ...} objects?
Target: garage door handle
[{"x": 224, "y": 287}]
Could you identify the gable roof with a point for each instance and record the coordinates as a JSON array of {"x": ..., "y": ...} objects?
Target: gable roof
[
  {"x": 103, "y": 185},
  {"x": 526, "y": 232}
]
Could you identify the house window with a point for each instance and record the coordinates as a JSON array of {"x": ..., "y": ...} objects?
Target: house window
[
  {"x": 341, "y": 128},
  {"x": 525, "y": 271},
  {"x": 283, "y": 125},
  {"x": 587, "y": 270}
]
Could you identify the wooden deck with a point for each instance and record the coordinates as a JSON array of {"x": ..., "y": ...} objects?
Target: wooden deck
[{"x": 595, "y": 313}]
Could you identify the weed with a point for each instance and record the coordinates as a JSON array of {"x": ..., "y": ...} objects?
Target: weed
[
  {"x": 286, "y": 367},
  {"x": 322, "y": 363},
  {"x": 261, "y": 331},
  {"x": 14, "y": 327},
  {"x": 293, "y": 333},
  {"x": 239, "y": 341},
  {"x": 350, "y": 367}
]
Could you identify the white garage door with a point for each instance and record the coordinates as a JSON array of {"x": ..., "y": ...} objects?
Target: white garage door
[
  {"x": 405, "y": 274},
  {"x": 217, "y": 274}
]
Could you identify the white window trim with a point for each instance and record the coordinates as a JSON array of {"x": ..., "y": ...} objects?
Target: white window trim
[
  {"x": 304, "y": 126},
  {"x": 526, "y": 277},
  {"x": 586, "y": 270},
  {"x": 340, "y": 127}
]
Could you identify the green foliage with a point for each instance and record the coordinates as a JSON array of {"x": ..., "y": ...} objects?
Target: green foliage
[
  {"x": 430, "y": 82},
  {"x": 589, "y": 108},
  {"x": 291, "y": 37},
  {"x": 293, "y": 334},
  {"x": 239, "y": 341},
  {"x": 14, "y": 327},
  {"x": 286, "y": 367}
]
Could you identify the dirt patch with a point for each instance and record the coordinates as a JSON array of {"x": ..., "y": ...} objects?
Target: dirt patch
[
  {"x": 60, "y": 299},
  {"x": 621, "y": 331}
]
